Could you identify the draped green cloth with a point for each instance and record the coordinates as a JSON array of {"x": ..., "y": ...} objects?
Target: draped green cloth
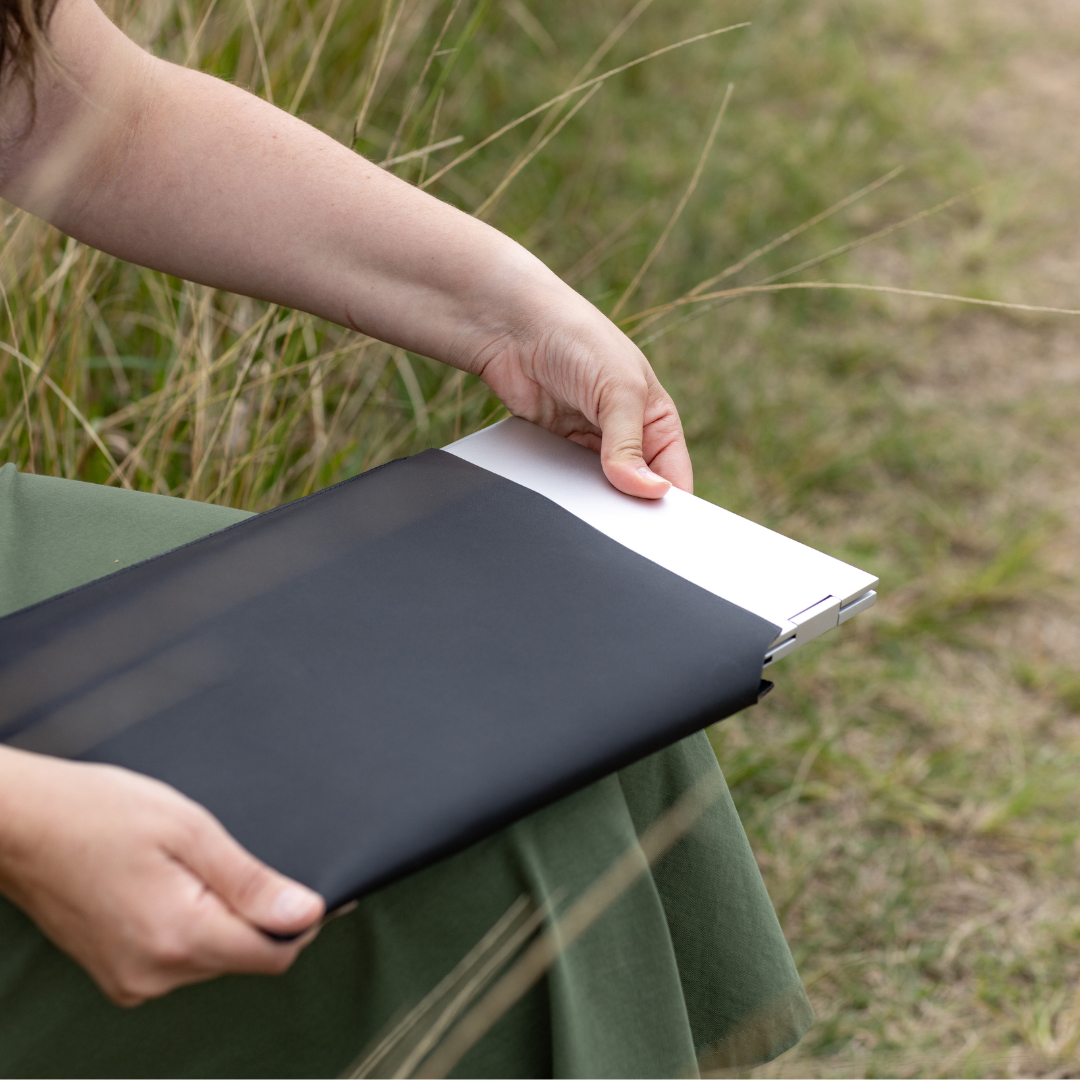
[{"x": 687, "y": 970}]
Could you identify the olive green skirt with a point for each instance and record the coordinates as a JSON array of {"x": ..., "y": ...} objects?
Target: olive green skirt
[{"x": 686, "y": 970}]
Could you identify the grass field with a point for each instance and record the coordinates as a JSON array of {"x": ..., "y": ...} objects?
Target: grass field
[{"x": 910, "y": 787}]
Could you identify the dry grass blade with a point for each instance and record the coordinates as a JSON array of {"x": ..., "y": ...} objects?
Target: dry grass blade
[
  {"x": 123, "y": 385},
  {"x": 537, "y": 110},
  {"x": 407, "y": 112},
  {"x": 587, "y": 68},
  {"x": 524, "y": 160},
  {"x": 603, "y": 249},
  {"x": 316, "y": 52},
  {"x": 747, "y": 290},
  {"x": 871, "y": 238},
  {"x": 59, "y": 275},
  {"x": 532, "y": 26},
  {"x": 437, "y": 112},
  {"x": 75, "y": 410},
  {"x": 173, "y": 403},
  {"x": 423, "y": 151},
  {"x": 471, "y": 988},
  {"x": 675, "y": 823},
  {"x": 386, "y": 1044},
  {"x": 261, "y": 50},
  {"x": 410, "y": 1039},
  {"x": 263, "y": 325},
  {"x": 612, "y": 39},
  {"x": 197, "y": 36},
  {"x": 382, "y": 49},
  {"x": 784, "y": 238},
  {"x": 416, "y": 395},
  {"x": 650, "y": 315},
  {"x": 672, "y": 221}
]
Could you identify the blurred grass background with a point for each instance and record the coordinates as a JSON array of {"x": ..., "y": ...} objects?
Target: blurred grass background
[{"x": 909, "y": 789}]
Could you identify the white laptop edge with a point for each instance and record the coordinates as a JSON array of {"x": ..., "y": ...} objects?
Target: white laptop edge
[{"x": 803, "y": 591}]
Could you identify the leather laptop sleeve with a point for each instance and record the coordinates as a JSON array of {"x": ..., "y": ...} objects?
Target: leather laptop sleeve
[{"x": 365, "y": 680}]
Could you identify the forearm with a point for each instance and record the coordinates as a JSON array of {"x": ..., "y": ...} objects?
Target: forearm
[
  {"x": 187, "y": 174},
  {"x": 190, "y": 175}
]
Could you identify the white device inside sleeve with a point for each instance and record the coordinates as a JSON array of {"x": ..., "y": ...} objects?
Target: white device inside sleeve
[{"x": 803, "y": 591}]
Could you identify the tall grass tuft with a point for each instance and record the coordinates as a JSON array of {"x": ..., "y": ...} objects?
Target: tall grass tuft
[{"x": 120, "y": 375}]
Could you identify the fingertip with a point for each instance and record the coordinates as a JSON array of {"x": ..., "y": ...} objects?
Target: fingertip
[
  {"x": 655, "y": 480},
  {"x": 294, "y": 909},
  {"x": 636, "y": 478},
  {"x": 671, "y": 460},
  {"x": 260, "y": 895}
]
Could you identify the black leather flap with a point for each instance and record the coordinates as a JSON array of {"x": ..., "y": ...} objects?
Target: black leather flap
[{"x": 363, "y": 681}]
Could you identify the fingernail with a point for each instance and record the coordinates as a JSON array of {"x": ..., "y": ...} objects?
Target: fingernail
[
  {"x": 653, "y": 478},
  {"x": 292, "y": 903}
]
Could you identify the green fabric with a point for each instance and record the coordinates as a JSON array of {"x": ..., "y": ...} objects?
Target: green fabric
[
  {"x": 57, "y": 534},
  {"x": 688, "y": 966}
]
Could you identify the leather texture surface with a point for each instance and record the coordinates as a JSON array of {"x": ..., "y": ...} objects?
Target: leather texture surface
[{"x": 361, "y": 682}]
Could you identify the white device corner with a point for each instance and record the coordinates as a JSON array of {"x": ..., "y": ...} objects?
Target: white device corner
[{"x": 802, "y": 591}]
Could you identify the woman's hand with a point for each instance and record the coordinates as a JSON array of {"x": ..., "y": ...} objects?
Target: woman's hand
[
  {"x": 568, "y": 368},
  {"x": 186, "y": 173},
  {"x": 140, "y": 885}
]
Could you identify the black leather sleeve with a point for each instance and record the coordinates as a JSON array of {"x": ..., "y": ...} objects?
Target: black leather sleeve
[{"x": 368, "y": 679}]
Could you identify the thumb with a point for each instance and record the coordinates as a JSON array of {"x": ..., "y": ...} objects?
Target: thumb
[
  {"x": 252, "y": 889},
  {"x": 622, "y": 423}
]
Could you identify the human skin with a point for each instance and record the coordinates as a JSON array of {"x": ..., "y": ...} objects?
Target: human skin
[
  {"x": 185, "y": 173},
  {"x": 139, "y": 884}
]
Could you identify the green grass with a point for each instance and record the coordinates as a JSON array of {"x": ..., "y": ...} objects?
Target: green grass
[{"x": 908, "y": 788}]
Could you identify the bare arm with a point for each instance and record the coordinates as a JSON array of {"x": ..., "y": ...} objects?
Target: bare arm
[{"x": 185, "y": 173}]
